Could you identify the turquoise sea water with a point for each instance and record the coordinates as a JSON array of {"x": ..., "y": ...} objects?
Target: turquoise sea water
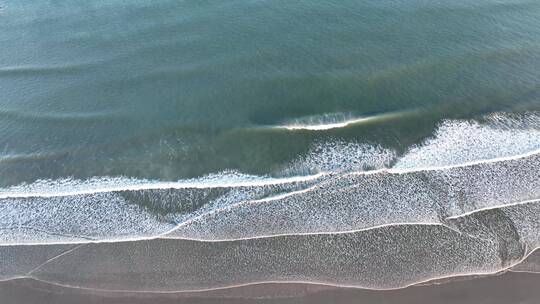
[{"x": 178, "y": 89}]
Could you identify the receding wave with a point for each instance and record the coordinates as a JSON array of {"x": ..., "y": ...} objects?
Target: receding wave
[
  {"x": 385, "y": 258},
  {"x": 463, "y": 142},
  {"x": 122, "y": 209},
  {"x": 467, "y": 200},
  {"x": 530, "y": 264}
]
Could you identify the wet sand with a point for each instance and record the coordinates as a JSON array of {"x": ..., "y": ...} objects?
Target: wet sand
[{"x": 506, "y": 288}]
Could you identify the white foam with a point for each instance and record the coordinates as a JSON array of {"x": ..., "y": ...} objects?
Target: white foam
[
  {"x": 75, "y": 219},
  {"x": 341, "y": 156},
  {"x": 71, "y": 187},
  {"x": 461, "y": 142},
  {"x": 341, "y": 197},
  {"x": 143, "y": 213},
  {"x": 351, "y": 202},
  {"x": 333, "y": 121}
]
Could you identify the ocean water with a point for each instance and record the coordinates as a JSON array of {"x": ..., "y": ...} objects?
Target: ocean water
[{"x": 170, "y": 146}]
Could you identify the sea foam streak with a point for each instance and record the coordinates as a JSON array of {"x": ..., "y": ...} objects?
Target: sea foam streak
[
  {"x": 487, "y": 242},
  {"x": 461, "y": 142},
  {"x": 68, "y": 187}
]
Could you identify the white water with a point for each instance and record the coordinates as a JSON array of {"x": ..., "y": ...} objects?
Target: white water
[
  {"x": 442, "y": 178},
  {"x": 435, "y": 202}
]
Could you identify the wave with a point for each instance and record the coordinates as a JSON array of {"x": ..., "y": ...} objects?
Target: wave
[
  {"x": 208, "y": 209},
  {"x": 22, "y": 157},
  {"x": 73, "y": 187},
  {"x": 465, "y": 142},
  {"x": 122, "y": 209},
  {"x": 487, "y": 242},
  {"x": 338, "y": 197},
  {"x": 335, "y": 121},
  {"x": 360, "y": 224},
  {"x": 359, "y": 201}
]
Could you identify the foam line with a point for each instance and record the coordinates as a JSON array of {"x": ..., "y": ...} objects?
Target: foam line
[
  {"x": 54, "y": 258},
  {"x": 382, "y": 226},
  {"x": 19, "y": 260},
  {"x": 138, "y": 185},
  {"x": 525, "y": 271},
  {"x": 166, "y": 235},
  {"x": 531, "y": 264},
  {"x": 46, "y": 232},
  {"x": 228, "y": 207}
]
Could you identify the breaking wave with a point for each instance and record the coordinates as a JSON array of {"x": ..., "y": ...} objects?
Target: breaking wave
[{"x": 335, "y": 121}]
